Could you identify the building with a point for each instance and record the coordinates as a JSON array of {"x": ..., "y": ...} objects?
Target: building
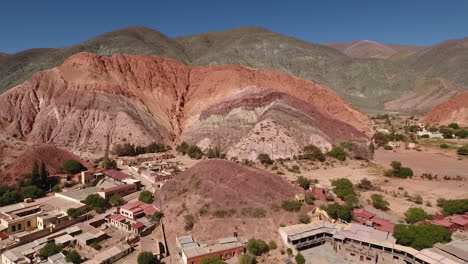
[
  {"x": 157, "y": 178},
  {"x": 110, "y": 255},
  {"x": 117, "y": 175},
  {"x": 126, "y": 224},
  {"x": 300, "y": 197},
  {"x": 358, "y": 243},
  {"x": 193, "y": 253},
  {"x": 457, "y": 249},
  {"x": 321, "y": 193},
  {"x": 122, "y": 190},
  {"x": 426, "y": 133},
  {"x": 411, "y": 145},
  {"x": 40, "y": 214},
  {"x": 148, "y": 157},
  {"x": 367, "y": 218},
  {"x": 137, "y": 210},
  {"x": 452, "y": 223},
  {"x": 394, "y": 144}
]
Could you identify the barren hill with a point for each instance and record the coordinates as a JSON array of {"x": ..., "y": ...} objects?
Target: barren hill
[
  {"x": 371, "y": 49},
  {"x": 52, "y": 157},
  {"x": 235, "y": 198},
  {"x": 454, "y": 110},
  {"x": 144, "y": 98}
]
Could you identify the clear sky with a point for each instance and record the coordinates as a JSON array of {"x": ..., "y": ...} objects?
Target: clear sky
[{"x": 28, "y": 24}]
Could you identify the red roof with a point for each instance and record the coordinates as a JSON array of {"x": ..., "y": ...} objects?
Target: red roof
[
  {"x": 140, "y": 207},
  {"x": 459, "y": 220},
  {"x": 118, "y": 217},
  {"x": 137, "y": 225},
  {"x": 363, "y": 212},
  {"x": 383, "y": 224},
  {"x": 118, "y": 187},
  {"x": 118, "y": 175},
  {"x": 443, "y": 222}
]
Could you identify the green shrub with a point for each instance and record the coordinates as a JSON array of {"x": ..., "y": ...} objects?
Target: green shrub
[
  {"x": 421, "y": 236},
  {"x": 463, "y": 150},
  {"x": 303, "y": 182},
  {"x": 73, "y": 257},
  {"x": 96, "y": 245},
  {"x": 309, "y": 198},
  {"x": 450, "y": 207},
  {"x": 73, "y": 166},
  {"x": 291, "y": 206},
  {"x": 387, "y": 147},
  {"x": 337, "y": 211},
  {"x": 379, "y": 202},
  {"x": 97, "y": 203},
  {"x": 444, "y": 146},
  {"x": 247, "y": 259},
  {"x": 194, "y": 152},
  {"x": 50, "y": 249},
  {"x": 313, "y": 152},
  {"x": 145, "y": 196},
  {"x": 257, "y": 247},
  {"x": 75, "y": 213},
  {"x": 264, "y": 158},
  {"x": 337, "y": 153},
  {"x": 116, "y": 200},
  {"x": 299, "y": 258},
  {"x": 146, "y": 257},
  {"x": 344, "y": 189},
  {"x": 414, "y": 215}
]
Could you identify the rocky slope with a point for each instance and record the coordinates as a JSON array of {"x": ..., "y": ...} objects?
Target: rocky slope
[
  {"x": 17, "y": 68},
  {"x": 143, "y": 98},
  {"x": 372, "y": 49},
  {"x": 454, "y": 110}
]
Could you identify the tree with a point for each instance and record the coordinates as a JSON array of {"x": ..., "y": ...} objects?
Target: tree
[
  {"x": 303, "y": 182},
  {"x": 338, "y": 211},
  {"x": 396, "y": 165},
  {"x": 454, "y": 126},
  {"x": 189, "y": 222},
  {"x": 463, "y": 150},
  {"x": 337, "y": 153},
  {"x": 73, "y": 166},
  {"x": 304, "y": 218},
  {"x": 183, "y": 148},
  {"x": 450, "y": 207},
  {"x": 380, "y": 139},
  {"x": 403, "y": 173},
  {"x": 32, "y": 191},
  {"x": 264, "y": 158},
  {"x": 365, "y": 184},
  {"x": 421, "y": 236},
  {"x": 291, "y": 206},
  {"x": 43, "y": 174},
  {"x": 156, "y": 217},
  {"x": 116, "y": 200},
  {"x": 313, "y": 152},
  {"x": 145, "y": 196},
  {"x": 146, "y": 257},
  {"x": 50, "y": 249},
  {"x": 344, "y": 189},
  {"x": 414, "y": 215},
  {"x": 215, "y": 153},
  {"x": 379, "y": 202},
  {"x": 194, "y": 152},
  {"x": 299, "y": 258},
  {"x": 212, "y": 260},
  {"x": 75, "y": 213},
  {"x": 73, "y": 257},
  {"x": 96, "y": 202},
  {"x": 247, "y": 259},
  {"x": 257, "y": 247}
]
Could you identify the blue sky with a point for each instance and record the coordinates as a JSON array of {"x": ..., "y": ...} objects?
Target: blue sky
[{"x": 50, "y": 23}]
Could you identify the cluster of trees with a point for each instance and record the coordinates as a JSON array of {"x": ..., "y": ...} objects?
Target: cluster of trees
[
  {"x": 399, "y": 171},
  {"x": 129, "y": 149},
  {"x": 414, "y": 215},
  {"x": 344, "y": 189},
  {"x": 73, "y": 166},
  {"x": 421, "y": 236},
  {"x": 453, "y": 129},
  {"x": 338, "y": 211},
  {"x": 192, "y": 151},
  {"x": 97, "y": 203},
  {"x": 450, "y": 207}
]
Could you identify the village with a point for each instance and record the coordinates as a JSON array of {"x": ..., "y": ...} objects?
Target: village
[{"x": 115, "y": 214}]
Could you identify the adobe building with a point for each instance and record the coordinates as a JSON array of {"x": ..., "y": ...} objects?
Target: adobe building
[{"x": 193, "y": 252}]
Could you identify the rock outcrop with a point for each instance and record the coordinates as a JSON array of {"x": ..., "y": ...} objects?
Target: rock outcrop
[
  {"x": 144, "y": 98},
  {"x": 454, "y": 110}
]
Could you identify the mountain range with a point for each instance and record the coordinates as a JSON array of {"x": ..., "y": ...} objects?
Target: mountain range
[{"x": 374, "y": 77}]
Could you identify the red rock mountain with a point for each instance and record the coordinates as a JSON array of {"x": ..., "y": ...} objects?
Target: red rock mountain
[
  {"x": 454, "y": 110},
  {"x": 144, "y": 98}
]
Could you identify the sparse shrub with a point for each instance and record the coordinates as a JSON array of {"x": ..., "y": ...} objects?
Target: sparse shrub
[
  {"x": 189, "y": 222},
  {"x": 194, "y": 152},
  {"x": 247, "y": 259},
  {"x": 387, "y": 147},
  {"x": 313, "y": 152},
  {"x": 463, "y": 150},
  {"x": 304, "y": 218},
  {"x": 265, "y": 159},
  {"x": 257, "y": 247},
  {"x": 379, "y": 202},
  {"x": 309, "y": 198},
  {"x": 418, "y": 199},
  {"x": 95, "y": 245},
  {"x": 444, "y": 146},
  {"x": 365, "y": 184},
  {"x": 291, "y": 206},
  {"x": 272, "y": 245},
  {"x": 303, "y": 182},
  {"x": 337, "y": 153},
  {"x": 73, "y": 257}
]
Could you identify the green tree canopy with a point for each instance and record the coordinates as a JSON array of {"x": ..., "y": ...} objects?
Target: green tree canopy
[
  {"x": 50, "y": 249},
  {"x": 299, "y": 258},
  {"x": 264, "y": 158},
  {"x": 146, "y": 257},
  {"x": 313, "y": 152},
  {"x": 450, "y": 207},
  {"x": 116, "y": 200},
  {"x": 183, "y": 148},
  {"x": 338, "y": 211},
  {"x": 212, "y": 260},
  {"x": 421, "y": 236},
  {"x": 379, "y": 202},
  {"x": 257, "y": 247},
  {"x": 145, "y": 196},
  {"x": 73, "y": 257},
  {"x": 96, "y": 203},
  {"x": 74, "y": 212},
  {"x": 337, "y": 153},
  {"x": 413, "y": 215},
  {"x": 73, "y": 166},
  {"x": 247, "y": 259}
]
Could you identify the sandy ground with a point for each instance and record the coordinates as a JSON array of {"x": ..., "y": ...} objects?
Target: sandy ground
[{"x": 430, "y": 160}]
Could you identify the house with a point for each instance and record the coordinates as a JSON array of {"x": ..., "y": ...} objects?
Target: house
[
  {"x": 110, "y": 255},
  {"x": 367, "y": 218},
  {"x": 394, "y": 144},
  {"x": 320, "y": 193},
  {"x": 193, "y": 253},
  {"x": 121, "y": 190},
  {"x": 452, "y": 223},
  {"x": 425, "y": 133},
  {"x": 460, "y": 220},
  {"x": 137, "y": 210},
  {"x": 148, "y": 157},
  {"x": 300, "y": 197},
  {"x": 383, "y": 130},
  {"x": 126, "y": 224},
  {"x": 411, "y": 145},
  {"x": 116, "y": 175}
]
